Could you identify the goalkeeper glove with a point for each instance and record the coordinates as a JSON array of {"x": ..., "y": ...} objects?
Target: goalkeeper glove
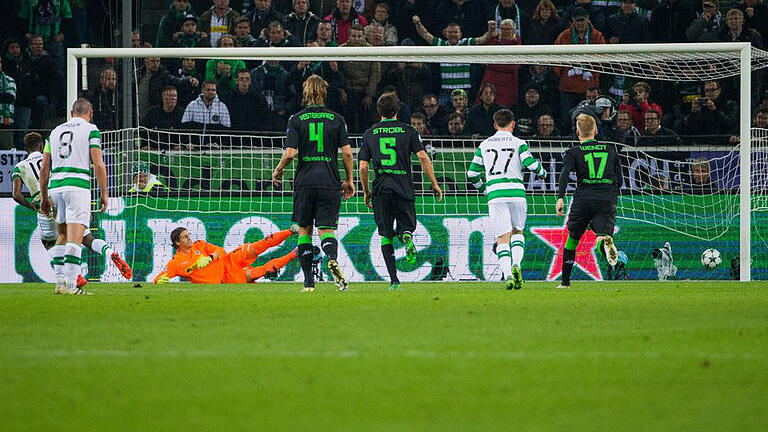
[
  {"x": 161, "y": 279},
  {"x": 203, "y": 261}
]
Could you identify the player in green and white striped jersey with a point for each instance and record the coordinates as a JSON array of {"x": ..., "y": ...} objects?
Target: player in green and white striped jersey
[
  {"x": 501, "y": 159},
  {"x": 67, "y": 157},
  {"x": 27, "y": 173}
]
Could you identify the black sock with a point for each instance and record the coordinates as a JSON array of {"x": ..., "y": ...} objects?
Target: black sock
[
  {"x": 601, "y": 248},
  {"x": 569, "y": 256},
  {"x": 331, "y": 247},
  {"x": 305, "y": 258},
  {"x": 388, "y": 250}
]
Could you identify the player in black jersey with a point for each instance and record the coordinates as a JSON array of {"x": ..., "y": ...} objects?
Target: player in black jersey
[
  {"x": 316, "y": 134},
  {"x": 388, "y": 145},
  {"x": 598, "y": 179}
]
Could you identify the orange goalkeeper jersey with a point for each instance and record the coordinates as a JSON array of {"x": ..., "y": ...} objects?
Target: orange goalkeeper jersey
[{"x": 227, "y": 268}]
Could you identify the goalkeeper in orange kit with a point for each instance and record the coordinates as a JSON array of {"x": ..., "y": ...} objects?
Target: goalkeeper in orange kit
[{"x": 205, "y": 263}]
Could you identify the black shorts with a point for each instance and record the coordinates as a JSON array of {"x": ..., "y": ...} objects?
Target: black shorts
[
  {"x": 600, "y": 216},
  {"x": 388, "y": 208},
  {"x": 316, "y": 207}
]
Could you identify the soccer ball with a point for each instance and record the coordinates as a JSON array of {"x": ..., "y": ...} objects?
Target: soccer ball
[{"x": 710, "y": 258}]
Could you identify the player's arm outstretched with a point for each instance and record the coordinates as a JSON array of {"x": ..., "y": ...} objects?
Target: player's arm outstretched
[
  {"x": 426, "y": 166},
  {"x": 476, "y": 171},
  {"x": 565, "y": 173}
]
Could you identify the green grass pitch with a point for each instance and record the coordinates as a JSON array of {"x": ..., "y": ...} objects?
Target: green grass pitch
[{"x": 432, "y": 356}]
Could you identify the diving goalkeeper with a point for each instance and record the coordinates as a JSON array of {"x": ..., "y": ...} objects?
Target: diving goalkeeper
[{"x": 205, "y": 263}]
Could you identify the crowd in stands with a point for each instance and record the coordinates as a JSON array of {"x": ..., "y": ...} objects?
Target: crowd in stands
[{"x": 440, "y": 99}]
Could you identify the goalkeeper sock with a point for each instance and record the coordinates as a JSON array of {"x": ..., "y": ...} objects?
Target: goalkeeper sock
[
  {"x": 72, "y": 261},
  {"x": 329, "y": 245},
  {"x": 388, "y": 250},
  {"x": 305, "y": 258},
  {"x": 272, "y": 265},
  {"x": 517, "y": 247},
  {"x": 505, "y": 259},
  {"x": 101, "y": 247},
  {"x": 269, "y": 241},
  {"x": 57, "y": 260},
  {"x": 600, "y": 248},
  {"x": 569, "y": 256}
]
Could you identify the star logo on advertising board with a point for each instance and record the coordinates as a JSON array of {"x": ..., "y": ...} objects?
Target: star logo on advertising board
[{"x": 586, "y": 256}]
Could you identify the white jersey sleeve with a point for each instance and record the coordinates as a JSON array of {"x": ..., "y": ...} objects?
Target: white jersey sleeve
[
  {"x": 28, "y": 171},
  {"x": 70, "y": 148}
]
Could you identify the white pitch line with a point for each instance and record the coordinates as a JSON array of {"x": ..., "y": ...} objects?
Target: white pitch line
[{"x": 417, "y": 354}]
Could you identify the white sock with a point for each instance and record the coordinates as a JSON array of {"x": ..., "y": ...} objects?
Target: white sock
[
  {"x": 72, "y": 261},
  {"x": 505, "y": 259},
  {"x": 517, "y": 247},
  {"x": 101, "y": 247},
  {"x": 57, "y": 260}
]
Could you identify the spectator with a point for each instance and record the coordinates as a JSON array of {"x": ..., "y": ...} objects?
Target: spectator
[
  {"x": 627, "y": 26},
  {"x": 329, "y": 71},
  {"x": 403, "y": 114},
  {"x": 243, "y": 36},
  {"x": 7, "y": 116},
  {"x": 412, "y": 81},
  {"x": 274, "y": 35},
  {"x": 546, "y": 82},
  {"x": 459, "y": 102},
  {"x": 509, "y": 10},
  {"x": 456, "y": 125},
  {"x": 469, "y": 15},
  {"x": 403, "y": 12},
  {"x": 590, "y": 95},
  {"x": 670, "y": 19},
  {"x": 342, "y": 19},
  {"x": 187, "y": 71},
  {"x": 247, "y": 107},
  {"x": 374, "y": 34},
  {"x": 595, "y": 15},
  {"x": 734, "y": 31},
  {"x": 206, "y": 112},
  {"x": 453, "y": 75},
  {"x": 638, "y": 102},
  {"x": 38, "y": 87},
  {"x": 189, "y": 37},
  {"x": 170, "y": 24},
  {"x": 45, "y": 19},
  {"x": 530, "y": 111},
  {"x": 701, "y": 177},
  {"x": 755, "y": 15},
  {"x": 151, "y": 80},
  {"x": 625, "y": 132},
  {"x": 12, "y": 57},
  {"x": 136, "y": 40},
  {"x": 480, "y": 117},
  {"x": 381, "y": 17},
  {"x": 168, "y": 115},
  {"x": 504, "y": 77},
  {"x": 362, "y": 79},
  {"x": 301, "y": 23},
  {"x": 545, "y": 25},
  {"x": 261, "y": 14},
  {"x": 546, "y": 128},
  {"x": 325, "y": 34},
  {"x": 218, "y": 21},
  {"x": 655, "y": 134},
  {"x": 271, "y": 80},
  {"x": 104, "y": 100},
  {"x": 222, "y": 71},
  {"x": 761, "y": 118},
  {"x": 713, "y": 115},
  {"x": 575, "y": 81},
  {"x": 605, "y": 107},
  {"x": 710, "y": 20},
  {"x": 435, "y": 115},
  {"x": 419, "y": 122}
]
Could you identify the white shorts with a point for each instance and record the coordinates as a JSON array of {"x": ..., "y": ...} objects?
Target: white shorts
[
  {"x": 506, "y": 216},
  {"x": 48, "y": 231},
  {"x": 72, "y": 206}
]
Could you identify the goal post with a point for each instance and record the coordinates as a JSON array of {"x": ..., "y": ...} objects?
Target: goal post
[{"x": 667, "y": 62}]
